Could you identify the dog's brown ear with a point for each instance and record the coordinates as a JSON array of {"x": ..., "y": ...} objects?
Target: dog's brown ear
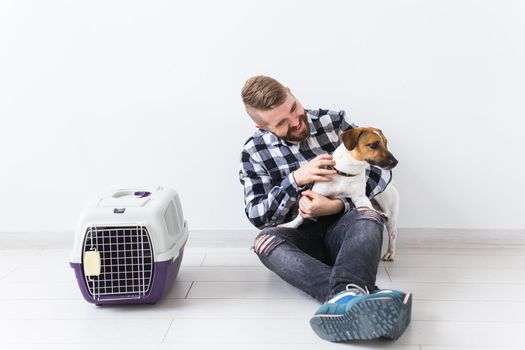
[{"x": 351, "y": 137}]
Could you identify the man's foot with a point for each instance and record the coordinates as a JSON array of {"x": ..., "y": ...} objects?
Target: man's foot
[{"x": 356, "y": 314}]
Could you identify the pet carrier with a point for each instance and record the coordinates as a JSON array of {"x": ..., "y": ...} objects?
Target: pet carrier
[{"x": 128, "y": 246}]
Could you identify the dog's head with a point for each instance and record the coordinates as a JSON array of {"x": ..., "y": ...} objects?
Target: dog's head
[{"x": 370, "y": 145}]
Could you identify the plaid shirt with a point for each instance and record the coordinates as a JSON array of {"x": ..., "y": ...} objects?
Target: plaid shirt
[{"x": 267, "y": 162}]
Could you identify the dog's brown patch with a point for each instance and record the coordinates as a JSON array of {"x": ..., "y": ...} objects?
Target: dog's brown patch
[{"x": 369, "y": 144}]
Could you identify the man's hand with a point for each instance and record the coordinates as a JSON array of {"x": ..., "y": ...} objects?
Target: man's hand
[
  {"x": 312, "y": 171},
  {"x": 313, "y": 204}
]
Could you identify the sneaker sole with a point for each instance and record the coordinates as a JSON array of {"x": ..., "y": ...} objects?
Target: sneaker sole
[
  {"x": 368, "y": 319},
  {"x": 404, "y": 320}
]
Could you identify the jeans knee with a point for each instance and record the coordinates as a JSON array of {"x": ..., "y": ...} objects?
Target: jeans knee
[{"x": 266, "y": 241}]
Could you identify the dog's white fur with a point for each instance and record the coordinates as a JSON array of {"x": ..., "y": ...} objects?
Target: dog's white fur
[{"x": 355, "y": 187}]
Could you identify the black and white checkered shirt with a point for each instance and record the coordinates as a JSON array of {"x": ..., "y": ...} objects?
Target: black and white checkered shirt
[{"x": 267, "y": 162}]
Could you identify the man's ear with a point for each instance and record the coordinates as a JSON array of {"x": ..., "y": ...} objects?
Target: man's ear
[{"x": 351, "y": 137}]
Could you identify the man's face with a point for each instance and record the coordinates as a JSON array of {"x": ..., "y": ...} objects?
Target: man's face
[{"x": 287, "y": 121}]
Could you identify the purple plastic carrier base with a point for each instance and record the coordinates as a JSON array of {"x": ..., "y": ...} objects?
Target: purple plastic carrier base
[{"x": 164, "y": 275}]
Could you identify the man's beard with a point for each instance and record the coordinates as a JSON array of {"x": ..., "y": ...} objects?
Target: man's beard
[{"x": 303, "y": 135}]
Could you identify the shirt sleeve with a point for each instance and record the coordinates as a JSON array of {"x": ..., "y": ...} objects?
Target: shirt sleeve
[
  {"x": 266, "y": 204},
  {"x": 344, "y": 122}
]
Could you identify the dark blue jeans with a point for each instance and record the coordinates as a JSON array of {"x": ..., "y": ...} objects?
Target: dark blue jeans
[{"x": 321, "y": 257}]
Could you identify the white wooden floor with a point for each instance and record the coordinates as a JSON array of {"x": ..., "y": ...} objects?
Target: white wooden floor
[{"x": 469, "y": 293}]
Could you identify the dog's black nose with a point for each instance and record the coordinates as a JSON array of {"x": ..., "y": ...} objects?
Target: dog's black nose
[{"x": 392, "y": 162}]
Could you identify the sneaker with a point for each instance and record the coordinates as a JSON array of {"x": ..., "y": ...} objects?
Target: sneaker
[{"x": 357, "y": 314}]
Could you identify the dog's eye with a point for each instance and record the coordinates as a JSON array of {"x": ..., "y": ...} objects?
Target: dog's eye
[{"x": 373, "y": 145}]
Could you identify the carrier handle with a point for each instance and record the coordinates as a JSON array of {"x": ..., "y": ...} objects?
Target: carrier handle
[{"x": 138, "y": 194}]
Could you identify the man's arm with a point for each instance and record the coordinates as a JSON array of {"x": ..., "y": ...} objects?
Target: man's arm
[
  {"x": 265, "y": 203},
  {"x": 313, "y": 204}
]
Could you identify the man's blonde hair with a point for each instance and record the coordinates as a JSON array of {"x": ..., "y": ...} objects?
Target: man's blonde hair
[{"x": 263, "y": 93}]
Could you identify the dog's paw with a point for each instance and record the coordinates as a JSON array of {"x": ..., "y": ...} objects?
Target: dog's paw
[
  {"x": 365, "y": 207},
  {"x": 290, "y": 224},
  {"x": 385, "y": 217},
  {"x": 388, "y": 257}
]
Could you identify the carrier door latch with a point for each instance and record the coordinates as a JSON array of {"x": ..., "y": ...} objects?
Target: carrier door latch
[{"x": 92, "y": 263}]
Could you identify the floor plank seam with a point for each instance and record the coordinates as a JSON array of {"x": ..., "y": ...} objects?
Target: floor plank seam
[
  {"x": 167, "y": 331},
  {"x": 203, "y": 258},
  {"x": 388, "y": 274},
  {"x": 188, "y": 292}
]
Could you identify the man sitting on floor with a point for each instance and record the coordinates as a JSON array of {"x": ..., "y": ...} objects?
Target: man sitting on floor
[{"x": 335, "y": 257}]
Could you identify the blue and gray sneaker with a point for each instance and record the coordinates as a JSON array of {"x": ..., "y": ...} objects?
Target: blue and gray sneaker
[{"x": 357, "y": 314}]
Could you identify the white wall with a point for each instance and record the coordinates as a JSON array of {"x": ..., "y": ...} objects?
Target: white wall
[{"x": 97, "y": 95}]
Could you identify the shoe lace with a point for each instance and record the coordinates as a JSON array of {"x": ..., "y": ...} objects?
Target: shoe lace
[{"x": 358, "y": 289}]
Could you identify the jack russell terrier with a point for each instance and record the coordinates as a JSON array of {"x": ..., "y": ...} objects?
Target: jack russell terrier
[{"x": 360, "y": 148}]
